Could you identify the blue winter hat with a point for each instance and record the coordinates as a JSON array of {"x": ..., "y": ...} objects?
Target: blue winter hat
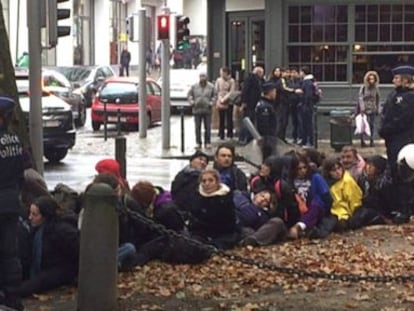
[
  {"x": 403, "y": 70},
  {"x": 268, "y": 86},
  {"x": 6, "y": 103}
]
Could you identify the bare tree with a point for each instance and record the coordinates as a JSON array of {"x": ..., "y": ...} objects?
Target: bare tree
[{"x": 8, "y": 83}]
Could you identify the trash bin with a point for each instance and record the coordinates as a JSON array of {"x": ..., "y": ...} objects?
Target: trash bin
[{"x": 341, "y": 128}]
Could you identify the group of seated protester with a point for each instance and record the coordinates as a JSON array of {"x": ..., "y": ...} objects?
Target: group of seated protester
[{"x": 298, "y": 194}]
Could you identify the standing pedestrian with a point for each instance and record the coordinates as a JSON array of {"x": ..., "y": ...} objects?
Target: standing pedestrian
[
  {"x": 11, "y": 179},
  {"x": 368, "y": 102},
  {"x": 201, "y": 97},
  {"x": 251, "y": 91},
  {"x": 306, "y": 109},
  {"x": 284, "y": 93},
  {"x": 225, "y": 86},
  {"x": 124, "y": 62},
  {"x": 149, "y": 60},
  {"x": 397, "y": 129},
  {"x": 266, "y": 119}
]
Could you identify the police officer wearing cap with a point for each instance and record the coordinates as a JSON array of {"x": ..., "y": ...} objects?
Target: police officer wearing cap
[
  {"x": 11, "y": 178},
  {"x": 266, "y": 118},
  {"x": 397, "y": 129}
]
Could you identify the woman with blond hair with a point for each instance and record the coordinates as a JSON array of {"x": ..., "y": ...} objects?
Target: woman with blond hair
[{"x": 368, "y": 102}]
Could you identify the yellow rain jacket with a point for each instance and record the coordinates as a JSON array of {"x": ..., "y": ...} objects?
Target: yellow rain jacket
[{"x": 347, "y": 197}]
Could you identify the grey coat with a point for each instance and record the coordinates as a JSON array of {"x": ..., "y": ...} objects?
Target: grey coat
[{"x": 202, "y": 98}]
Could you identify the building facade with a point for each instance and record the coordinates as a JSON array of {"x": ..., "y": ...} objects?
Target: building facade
[
  {"x": 338, "y": 39},
  {"x": 99, "y": 28}
]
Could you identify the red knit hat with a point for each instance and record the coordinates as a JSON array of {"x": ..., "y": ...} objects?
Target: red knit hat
[
  {"x": 111, "y": 166},
  {"x": 108, "y": 166}
]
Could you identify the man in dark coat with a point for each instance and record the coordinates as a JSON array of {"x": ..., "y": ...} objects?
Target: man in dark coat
[
  {"x": 252, "y": 89},
  {"x": 11, "y": 179},
  {"x": 230, "y": 174},
  {"x": 185, "y": 184},
  {"x": 124, "y": 62},
  {"x": 397, "y": 129},
  {"x": 266, "y": 119}
]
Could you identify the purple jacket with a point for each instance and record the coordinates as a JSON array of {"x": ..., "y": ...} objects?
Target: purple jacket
[{"x": 247, "y": 213}]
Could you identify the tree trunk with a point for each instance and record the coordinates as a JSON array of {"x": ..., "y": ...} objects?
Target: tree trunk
[{"x": 8, "y": 84}]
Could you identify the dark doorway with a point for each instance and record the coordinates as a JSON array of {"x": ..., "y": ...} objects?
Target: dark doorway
[{"x": 246, "y": 42}]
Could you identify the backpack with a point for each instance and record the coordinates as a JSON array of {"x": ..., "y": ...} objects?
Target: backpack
[{"x": 303, "y": 208}]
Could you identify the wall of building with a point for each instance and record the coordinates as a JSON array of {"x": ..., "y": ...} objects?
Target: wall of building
[
  {"x": 102, "y": 32},
  {"x": 244, "y": 5},
  {"x": 197, "y": 12}
]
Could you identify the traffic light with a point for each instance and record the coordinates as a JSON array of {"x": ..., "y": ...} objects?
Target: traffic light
[
  {"x": 163, "y": 23},
  {"x": 130, "y": 27},
  {"x": 54, "y": 15},
  {"x": 182, "y": 33}
]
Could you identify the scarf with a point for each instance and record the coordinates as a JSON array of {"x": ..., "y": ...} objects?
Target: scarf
[{"x": 37, "y": 252}]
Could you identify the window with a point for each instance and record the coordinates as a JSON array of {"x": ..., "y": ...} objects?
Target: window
[
  {"x": 317, "y": 38},
  {"x": 384, "y": 38}
]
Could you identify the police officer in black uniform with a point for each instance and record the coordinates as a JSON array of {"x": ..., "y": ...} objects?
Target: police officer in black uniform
[
  {"x": 266, "y": 118},
  {"x": 11, "y": 178},
  {"x": 397, "y": 129}
]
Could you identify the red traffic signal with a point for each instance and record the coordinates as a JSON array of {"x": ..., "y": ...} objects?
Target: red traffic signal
[{"x": 163, "y": 23}]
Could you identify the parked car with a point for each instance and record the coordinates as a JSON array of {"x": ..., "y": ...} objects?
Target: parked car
[
  {"x": 181, "y": 81},
  {"x": 59, "y": 133},
  {"x": 59, "y": 85},
  {"x": 87, "y": 79},
  {"x": 121, "y": 93}
]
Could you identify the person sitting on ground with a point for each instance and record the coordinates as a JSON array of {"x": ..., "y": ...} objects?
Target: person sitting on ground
[
  {"x": 259, "y": 227},
  {"x": 213, "y": 214},
  {"x": 277, "y": 177},
  {"x": 55, "y": 249},
  {"x": 352, "y": 161},
  {"x": 127, "y": 254},
  {"x": 346, "y": 196},
  {"x": 185, "y": 184},
  {"x": 314, "y": 191},
  {"x": 112, "y": 166},
  {"x": 230, "y": 174},
  {"x": 158, "y": 205},
  {"x": 377, "y": 200},
  {"x": 34, "y": 185}
]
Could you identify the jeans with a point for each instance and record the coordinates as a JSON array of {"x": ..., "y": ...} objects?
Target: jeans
[
  {"x": 226, "y": 118},
  {"x": 206, "y": 119},
  {"x": 306, "y": 120},
  {"x": 371, "y": 122},
  {"x": 127, "y": 256}
]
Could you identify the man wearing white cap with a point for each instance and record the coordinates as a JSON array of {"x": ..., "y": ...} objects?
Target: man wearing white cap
[
  {"x": 397, "y": 129},
  {"x": 11, "y": 179}
]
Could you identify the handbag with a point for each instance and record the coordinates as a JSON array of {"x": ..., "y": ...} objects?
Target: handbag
[
  {"x": 362, "y": 125},
  {"x": 222, "y": 106}
]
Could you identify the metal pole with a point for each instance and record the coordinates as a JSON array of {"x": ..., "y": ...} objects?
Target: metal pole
[
  {"x": 17, "y": 30},
  {"x": 165, "y": 73},
  {"x": 142, "y": 112},
  {"x": 182, "y": 129},
  {"x": 35, "y": 87}
]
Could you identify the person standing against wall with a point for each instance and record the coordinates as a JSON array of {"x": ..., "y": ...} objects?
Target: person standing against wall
[
  {"x": 225, "y": 86},
  {"x": 368, "y": 102},
  {"x": 124, "y": 62},
  {"x": 397, "y": 129},
  {"x": 251, "y": 92},
  {"x": 11, "y": 180},
  {"x": 201, "y": 97}
]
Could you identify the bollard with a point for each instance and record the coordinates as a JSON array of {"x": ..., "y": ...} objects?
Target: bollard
[
  {"x": 98, "y": 260},
  {"x": 120, "y": 154},
  {"x": 118, "y": 121},
  {"x": 105, "y": 123}
]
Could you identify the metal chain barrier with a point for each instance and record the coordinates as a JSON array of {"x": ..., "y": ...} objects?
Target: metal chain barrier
[{"x": 295, "y": 272}]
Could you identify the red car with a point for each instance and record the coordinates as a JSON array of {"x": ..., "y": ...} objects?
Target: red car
[{"x": 121, "y": 93}]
